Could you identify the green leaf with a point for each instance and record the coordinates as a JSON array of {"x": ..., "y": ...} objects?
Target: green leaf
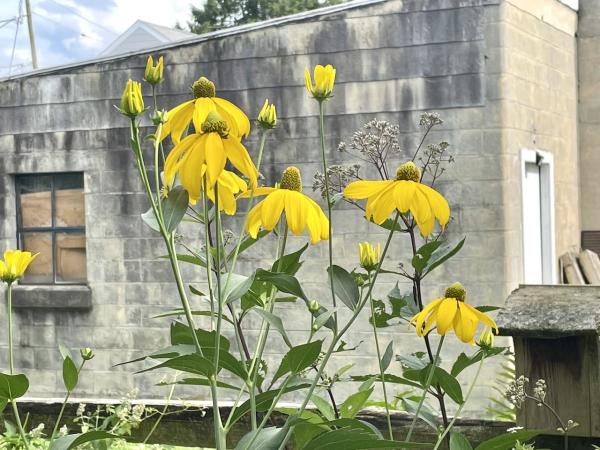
[
  {"x": 181, "y": 334},
  {"x": 506, "y": 441},
  {"x": 269, "y": 438},
  {"x": 445, "y": 380},
  {"x": 149, "y": 219},
  {"x": 275, "y": 322},
  {"x": 174, "y": 207},
  {"x": 264, "y": 401},
  {"x": 459, "y": 442},
  {"x": 3, "y": 403},
  {"x": 323, "y": 318},
  {"x": 75, "y": 440},
  {"x": 13, "y": 386},
  {"x": 323, "y": 406},
  {"x": 487, "y": 308},
  {"x": 444, "y": 254},
  {"x": 386, "y": 359},
  {"x": 299, "y": 358},
  {"x": 344, "y": 286},
  {"x": 201, "y": 382},
  {"x": 354, "y": 403},
  {"x": 421, "y": 258},
  {"x": 70, "y": 374},
  {"x": 180, "y": 312},
  {"x": 289, "y": 263},
  {"x": 191, "y": 259},
  {"x": 425, "y": 414},
  {"x": 282, "y": 281},
  {"x": 238, "y": 286},
  {"x": 355, "y": 439},
  {"x": 389, "y": 378},
  {"x": 64, "y": 351}
]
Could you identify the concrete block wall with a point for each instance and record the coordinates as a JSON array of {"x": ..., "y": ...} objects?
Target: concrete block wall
[
  {"x": 588, "y": 43},
  {"x": 394, "y": 60}
]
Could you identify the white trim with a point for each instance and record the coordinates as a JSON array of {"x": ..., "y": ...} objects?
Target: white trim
[{"x": 545, "y": 160}]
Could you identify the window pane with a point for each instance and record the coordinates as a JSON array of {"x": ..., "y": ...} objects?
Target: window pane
[
  {"x": 70, "y": 258},
  {"x": 36, "y": 200},
  {"x": 40, "y": 270},
  {"x": 70, "y": 210}
]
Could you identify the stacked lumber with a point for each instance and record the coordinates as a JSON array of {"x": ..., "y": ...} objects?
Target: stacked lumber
[{"x": 580, "y": 268}]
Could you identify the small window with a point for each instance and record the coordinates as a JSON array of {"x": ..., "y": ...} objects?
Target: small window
[{"x": 51, "y": 222}]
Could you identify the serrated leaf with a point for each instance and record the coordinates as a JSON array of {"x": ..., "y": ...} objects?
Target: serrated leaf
[
  {"x": 299, "y": 358},
  {"x": 344, "y": 286},
  {"x": 174, "y": 207},
  {"x": 70, "y": 374}
]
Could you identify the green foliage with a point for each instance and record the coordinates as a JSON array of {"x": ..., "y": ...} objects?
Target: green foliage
[
  {"x": 502, "y": 408},
  {"x": 174, "y": 207},
  {"x": 217, "y": 14},
  {"x": 299, "y": 358},
  {"x": 70, "y": 374},
  {"x": 506, "y": 441},
  {"x": 13, "y": 386},
  {"x": 459, "y": 442},
  {"x": 344, "y": 285}
]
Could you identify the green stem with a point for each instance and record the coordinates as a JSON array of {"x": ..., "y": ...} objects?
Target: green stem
[
  {"x": 208, "y": 258},
  {"x": 329, "y": 207},
  {"x": 264, "y": 331},
  {"x": 161, "y": 415},
  {"x": 62, "y": 409},
  {"x": 220, "y": 433},
  {"x": 462, "y": 405},
  {"x": 381, "y": 369},
  {"x": 338, "y": 336},
  {"x": 12, "y": 364},
  {"x": 425, "y": 388}
]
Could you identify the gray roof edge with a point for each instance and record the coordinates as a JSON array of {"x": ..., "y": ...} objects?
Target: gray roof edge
[{"x": 206, "y": 36}]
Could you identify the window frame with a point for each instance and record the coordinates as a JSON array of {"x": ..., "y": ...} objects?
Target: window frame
[
  {"x": 545, "y": 161},
  {"x": 53, "y": 228}
]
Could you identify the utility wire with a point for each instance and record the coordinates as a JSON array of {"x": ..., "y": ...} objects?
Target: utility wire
[
  {"x": 75, "y": 13},
  {"x": 56, "y": 22},
  {"x": 19, "y": 17}
]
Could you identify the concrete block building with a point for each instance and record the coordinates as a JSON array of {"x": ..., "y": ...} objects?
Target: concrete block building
[{"x": 514, "y": 81}]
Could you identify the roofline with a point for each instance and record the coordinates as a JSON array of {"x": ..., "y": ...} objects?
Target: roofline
[
  {"x": 232, "y": 31},
  {"x": 123, "y": 36}
]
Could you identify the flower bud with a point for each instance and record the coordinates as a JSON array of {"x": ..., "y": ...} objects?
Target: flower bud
[
  {"x": 313, "y": 306},
  {"x": 267, "y": 117},
  {"x": 486, "y": 339},
  {"x": 160, "y": 116},
  {"x": 324, "y": 81},
  {"x": 132, "y": 101},
  {"x": 86, "y": 353},
  {"x": 369, "y": 256},
  {"x": 154, "y": 74}
]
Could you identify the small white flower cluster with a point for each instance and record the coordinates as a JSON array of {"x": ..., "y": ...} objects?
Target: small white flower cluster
[
  {"x": 539, "y": 391},
  {"x": 515, "y": 392}
]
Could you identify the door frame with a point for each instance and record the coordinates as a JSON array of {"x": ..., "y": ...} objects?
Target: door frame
[{"x": 545, "y": 160}]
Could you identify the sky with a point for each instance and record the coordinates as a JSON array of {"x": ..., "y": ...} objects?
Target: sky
[{"x": 74, "y": 30}]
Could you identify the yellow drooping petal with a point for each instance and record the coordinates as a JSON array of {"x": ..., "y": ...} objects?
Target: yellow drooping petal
[
  {"x": 295, "y": 212},
  {"x": 215, "y": 157},
  {"x": 179, "y": 119},
  {"x": 358, "y": 190},
  {"x": 238, "y": 120},
  {"x": 239, "y": 157},
  {"x": 272, "y": 209},
  {"x": 202, "y": 108},
  {"x": 445, "y": 315}
]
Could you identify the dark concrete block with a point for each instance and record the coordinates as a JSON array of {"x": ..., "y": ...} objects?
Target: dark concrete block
[{"x": 77, "y": 297}]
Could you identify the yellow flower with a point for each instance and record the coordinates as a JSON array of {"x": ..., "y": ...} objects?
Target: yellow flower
[
  {"x": 452, "y": 313},
  {"x": 267, "y": 117},
  {"x": 324, "y": 80},
  {"x": 14, "y": 265},
  {"x": 212, "y": 148},
  {"x": 132, "y": 101},
  {"x": 369, "y": 255},
  {"x": 229, "y": 185},
  {"x": 154, "y": 74},
  {"x": 301, "y": 212},
  {"x": 405, "y": 193},
  {"x": 197, "y": 110}
]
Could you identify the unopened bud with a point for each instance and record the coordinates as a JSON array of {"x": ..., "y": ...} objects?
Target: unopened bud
[
  {"x": 313, "y": 306},
  {"x": 86, "y": 353}
]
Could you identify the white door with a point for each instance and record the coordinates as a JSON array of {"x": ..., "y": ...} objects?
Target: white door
[{"x": 538, "y": 218}]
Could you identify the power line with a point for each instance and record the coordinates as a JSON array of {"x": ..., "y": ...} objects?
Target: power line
[
  {"x": 19, "y": 16},
  {"x": 56, "y": 22},
  {"x": 75, "y": 13}
]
